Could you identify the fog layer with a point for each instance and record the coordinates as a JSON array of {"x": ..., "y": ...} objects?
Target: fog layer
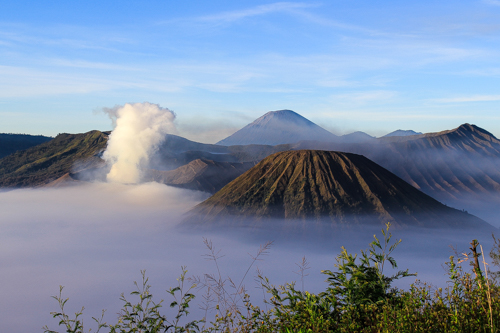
[{"x": 95, "y": 238}]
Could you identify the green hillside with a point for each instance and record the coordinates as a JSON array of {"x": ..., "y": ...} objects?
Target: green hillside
[{"x": 48, "y": 161}]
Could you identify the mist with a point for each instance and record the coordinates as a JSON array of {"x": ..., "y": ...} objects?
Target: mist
[
  {"x": 454, "y": 174},
  {"x": 95, "y": 238}
]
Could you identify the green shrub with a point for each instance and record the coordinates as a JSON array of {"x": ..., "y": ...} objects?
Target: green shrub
[{"x": 144, "y": 316}]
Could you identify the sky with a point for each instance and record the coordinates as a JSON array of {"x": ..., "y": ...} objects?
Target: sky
[{"x": 346, "y": 65}]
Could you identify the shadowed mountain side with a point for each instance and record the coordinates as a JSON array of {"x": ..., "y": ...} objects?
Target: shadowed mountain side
[
  {"x": 10, "y": 143},
  {"x": 341, "y": 187},
  {"x": 449, "y": 165},
  {"x": 48, "y": 161},
  {"x": 402, "y": 133},
  {"x": 201, "y": 174},
  {"x": 278, "y": 127},
  {"x": 176, "y": 151},
  {"x": 358, "y": 137},
  {"x": 175, "y": 143}
]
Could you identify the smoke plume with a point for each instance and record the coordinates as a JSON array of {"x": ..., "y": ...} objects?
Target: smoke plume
[{"x": 139, "y": 129}]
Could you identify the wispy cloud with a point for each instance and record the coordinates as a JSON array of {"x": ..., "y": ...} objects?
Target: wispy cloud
[
  {"x": 25, "y": 82},
  {"x": 422, "y": 50},
  {"x": 232, "y": 16},
  {"x": 364, "y": 97},
  {"x": 29, "y": 82},
  {"x": 296, "y": 9},
  {"x": 466, "y": 99},
  {"x": 489, "y": 71},
  {"x": 327, "y": 22},
  {"x": 374, "y": 115},
  {"x": 66, "y": 36},
  {"x": 90, "y": 65},
  {"x": 337, "y": 83},
  {"x": 492, "y": 2}
]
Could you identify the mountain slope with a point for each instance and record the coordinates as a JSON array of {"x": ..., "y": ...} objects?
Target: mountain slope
[
  {"x": 201, "y": 175},
  {"x": 278, "y": 127},
  {"x": 449, "y": 164},
  {"x": 452, "y": 166},
  {"x": 48, "y": 161},
  {"x": 321, "y": 184},
  {"x": 10, "y": 143}
]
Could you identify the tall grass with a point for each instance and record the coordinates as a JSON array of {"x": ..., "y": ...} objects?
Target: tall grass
[{"x": 359, "y": 297}]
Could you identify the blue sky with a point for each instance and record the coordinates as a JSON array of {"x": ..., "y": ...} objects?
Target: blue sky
[{"x": 346, "y": 65}]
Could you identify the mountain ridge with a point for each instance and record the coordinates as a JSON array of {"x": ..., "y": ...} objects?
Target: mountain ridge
[
  {"x": 48, "y": 161},
  {"x": 10, "y": 142}
]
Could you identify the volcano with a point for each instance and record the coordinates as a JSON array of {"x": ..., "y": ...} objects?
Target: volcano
[
  {"x": 341, "y": 188},
  {"x": 278, "y": 127}
]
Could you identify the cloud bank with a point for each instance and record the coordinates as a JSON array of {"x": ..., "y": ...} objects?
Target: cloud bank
[{"x": 95, "y": 238}]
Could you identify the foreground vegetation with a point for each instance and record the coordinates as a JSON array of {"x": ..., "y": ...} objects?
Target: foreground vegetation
[{"x": 359, "y": 298}]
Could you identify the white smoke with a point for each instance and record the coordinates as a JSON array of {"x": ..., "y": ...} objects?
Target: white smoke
[{"x": 139, "y": 129}]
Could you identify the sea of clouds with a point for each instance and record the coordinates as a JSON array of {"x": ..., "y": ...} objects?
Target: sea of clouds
[{"x": 95, "y": 238}]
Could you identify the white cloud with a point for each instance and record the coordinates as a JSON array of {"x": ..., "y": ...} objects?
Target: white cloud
[
  {"x": 466, "y": 99},
  {"x": 317, "y": 19},
  {"x": 66, "y": 36},
  {"x": 492, "y": 2},
  {"x": 232, "y": 16},
  {"x": 27, "y": 82},
  {"x": 90, "y": 65},
  {"x": 363, "y": 97},
  {"x": 374, "y": 115},
  {"x": 24, "y": 82},
  {"x": 491, "y": 71}
]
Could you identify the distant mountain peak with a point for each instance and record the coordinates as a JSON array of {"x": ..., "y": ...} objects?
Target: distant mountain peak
[
  {"x": 282, "y": 114},
  {"x": 278, "y": 127},
  {"x": 357, "y": 136},
  {"x": 401, "y": 132},
  {"x": 473, "y": 128},
  {"x": 466, "y": 130}
]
